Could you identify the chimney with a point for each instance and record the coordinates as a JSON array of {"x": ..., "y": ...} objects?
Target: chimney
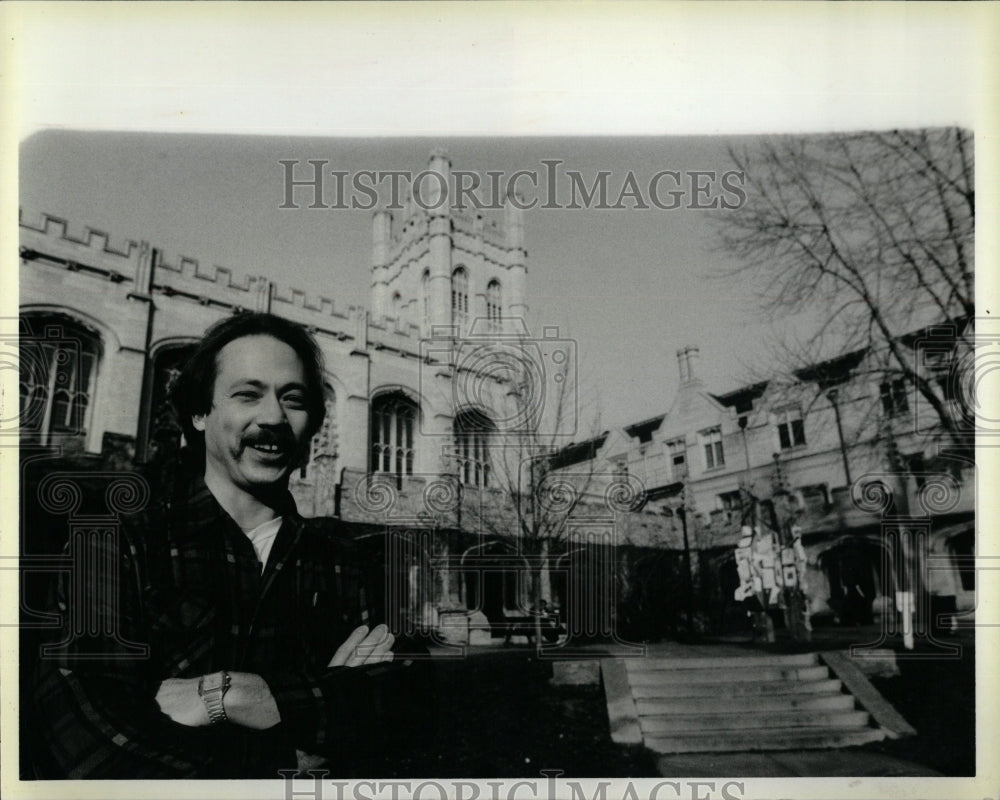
[
  {"x": 682, "y": 364},
  {"x": 687, "y": 363},
  {"x": 692, "y": 355}
]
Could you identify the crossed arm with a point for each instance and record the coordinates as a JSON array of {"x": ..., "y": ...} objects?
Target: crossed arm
[{"x": 249, "y": 701}]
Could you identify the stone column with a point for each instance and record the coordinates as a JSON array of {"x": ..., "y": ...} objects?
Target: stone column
[
  {"x": 517, "y": 262},
  {"x": 439, "y": 233}
]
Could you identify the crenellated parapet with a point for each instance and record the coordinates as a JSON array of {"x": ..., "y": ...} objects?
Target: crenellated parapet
[
  {"x": 91, "y": 253},
  {"x": 299, "y": 306},
  {"x": 480, "y": 237},
  {"x": 408, "y": 234},
  {"x": 395, "y": 336},
  {"x": 48, "y": 240},
  {"x": 209, "y": 285}
]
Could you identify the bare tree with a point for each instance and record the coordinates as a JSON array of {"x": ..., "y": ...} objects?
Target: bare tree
[
  {"x": 533, "y": 484},
  {"x": 855, "y": 241}
]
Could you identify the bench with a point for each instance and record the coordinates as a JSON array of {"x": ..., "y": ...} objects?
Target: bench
[{"x": 551, "y": 628}]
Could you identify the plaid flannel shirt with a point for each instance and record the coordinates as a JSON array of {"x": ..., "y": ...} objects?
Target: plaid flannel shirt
[{"x": 184, "y": 582}]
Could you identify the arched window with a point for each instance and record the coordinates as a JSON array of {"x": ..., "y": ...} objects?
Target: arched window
[
  {"x": 163, "y": 431},
  {"x": 472, "y": 441},
  {"x": 323, "y": 449},
  {"x": 494, "y": 308},
  {"x": 324, "y": 443},
  {"x": 459, "y": 296},
  {"x": 393, "y": 420},
  {"x": 58, "y": 374}
]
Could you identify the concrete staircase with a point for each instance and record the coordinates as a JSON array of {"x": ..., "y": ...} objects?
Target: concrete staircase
[{"x": 738, "y": 703}]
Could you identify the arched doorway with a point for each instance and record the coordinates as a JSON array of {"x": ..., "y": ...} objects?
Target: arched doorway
[
  {"x": 730, "y": 614},
  {"x": 861, "y": 581},
  {"x": 587, "y": 589},
  {"x": 496, "y": 580}
]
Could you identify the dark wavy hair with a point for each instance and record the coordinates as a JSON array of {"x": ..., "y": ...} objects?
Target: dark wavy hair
[{"x": 194, "y": 388}]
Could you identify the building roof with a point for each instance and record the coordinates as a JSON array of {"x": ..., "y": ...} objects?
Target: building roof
[
  {"x": 945, "y": 332},
  {"x": 832, "y": 371},
  {"x": 742, "y": 399},
  {"x": 646, "y": 426},
  {"x": 577, "y": 452}
]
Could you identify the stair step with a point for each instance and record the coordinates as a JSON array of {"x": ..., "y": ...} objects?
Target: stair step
[
  {"x": 681, "y": 723},
  {"x": 729, "y": 675},
  {"x": 771, "y": 739},
  {"x": 829, "y": 686},
  {"x": 747, "y": 704},
  {"x": 653, "y": 663}
]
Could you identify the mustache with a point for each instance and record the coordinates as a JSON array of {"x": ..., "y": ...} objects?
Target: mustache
[{"x": 279, "y": 438}]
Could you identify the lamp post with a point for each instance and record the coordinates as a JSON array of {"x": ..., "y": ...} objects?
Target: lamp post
[
  {"x": 796, "y": 604},
  {"x": 746, "y": 494},
  {"x": 832, "y": 395},
  {"x": 743, "y": 421},
  {"x": 679, "y": 508}
]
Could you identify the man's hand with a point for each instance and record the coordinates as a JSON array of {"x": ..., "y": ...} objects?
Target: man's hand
[
  {"x": 363, "y": 647},
  {"x": 178, "y": 698},
  {"x": 249, "y": 702}
]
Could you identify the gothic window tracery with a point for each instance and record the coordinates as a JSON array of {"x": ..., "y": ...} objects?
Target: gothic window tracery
[
  {"x": 393, "y": 421},
  {"x": 58, "y": 368}
]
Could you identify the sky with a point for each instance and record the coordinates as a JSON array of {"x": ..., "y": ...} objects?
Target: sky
[{"x": 629, "y": 285}]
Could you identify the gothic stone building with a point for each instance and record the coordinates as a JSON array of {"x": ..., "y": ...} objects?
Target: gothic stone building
[
  {"x": 409, "y": 449},
  {"x": 105, "y": 325},
  {"x": 858, "y": 457}
]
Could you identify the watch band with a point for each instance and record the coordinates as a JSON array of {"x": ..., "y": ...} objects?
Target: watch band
[{"x": 213, "y": 696}]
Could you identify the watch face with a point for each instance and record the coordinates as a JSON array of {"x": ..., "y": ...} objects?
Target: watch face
[{"x": 211, "y": 682}]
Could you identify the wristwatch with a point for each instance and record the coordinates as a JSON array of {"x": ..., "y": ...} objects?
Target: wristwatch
[{"x": 212, "y": 688}]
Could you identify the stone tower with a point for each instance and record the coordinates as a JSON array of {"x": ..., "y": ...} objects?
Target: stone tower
[{"x": 437, "y": 265}]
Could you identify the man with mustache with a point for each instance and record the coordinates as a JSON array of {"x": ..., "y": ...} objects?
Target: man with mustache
[{"x": 252, "y": 622}]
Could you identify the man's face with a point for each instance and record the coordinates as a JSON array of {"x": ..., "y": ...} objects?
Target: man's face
[{"x": 258, "y": 425}]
